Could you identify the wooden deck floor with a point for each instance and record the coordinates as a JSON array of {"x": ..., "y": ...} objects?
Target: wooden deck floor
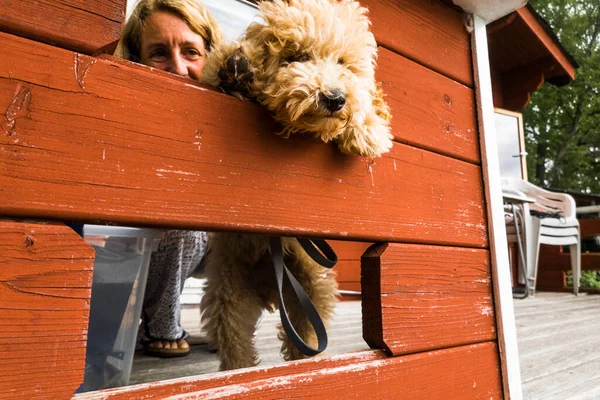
[
  {"x": 559, "y": 346},
  {"x": 558, "y": 337},
  {"x": 345, "y": 336}
]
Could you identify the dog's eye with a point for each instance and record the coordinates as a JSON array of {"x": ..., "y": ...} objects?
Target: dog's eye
[
  {"x": 341, "y": 61},
  {"x": 301, "y": 57}
]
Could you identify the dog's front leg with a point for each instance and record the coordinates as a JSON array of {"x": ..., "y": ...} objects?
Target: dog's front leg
[
  {"x": 368, "y": 133},
  {"x": 230, "y": 308}
]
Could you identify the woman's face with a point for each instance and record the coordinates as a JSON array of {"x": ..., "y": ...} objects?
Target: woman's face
[{"x": 169, "y": 44}]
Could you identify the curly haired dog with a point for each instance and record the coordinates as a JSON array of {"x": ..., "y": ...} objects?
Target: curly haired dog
[{"x": 312, "y": 64}]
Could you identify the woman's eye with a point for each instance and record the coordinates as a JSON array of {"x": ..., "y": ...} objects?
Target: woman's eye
[
  {"x": 193, "y": 53},
  {"x": 158, "y": 54}
]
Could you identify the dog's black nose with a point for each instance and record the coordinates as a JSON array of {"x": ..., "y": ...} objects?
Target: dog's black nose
[{"x": 333, "y": 101}]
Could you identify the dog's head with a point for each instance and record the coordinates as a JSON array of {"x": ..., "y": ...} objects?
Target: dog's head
[{"x": 314, "y": 63}]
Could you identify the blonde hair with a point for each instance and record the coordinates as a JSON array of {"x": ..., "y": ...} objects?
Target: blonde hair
[{"x": 192, "y": 12}]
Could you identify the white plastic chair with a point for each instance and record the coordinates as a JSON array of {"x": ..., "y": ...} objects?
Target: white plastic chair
[{"x": 552, "y": 231}]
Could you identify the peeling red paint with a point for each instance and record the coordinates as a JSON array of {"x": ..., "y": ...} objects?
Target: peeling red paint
[{"x": 18, "y": 107}]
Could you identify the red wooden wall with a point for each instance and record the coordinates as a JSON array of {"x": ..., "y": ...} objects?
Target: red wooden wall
[{"x": 104, "y": 140}]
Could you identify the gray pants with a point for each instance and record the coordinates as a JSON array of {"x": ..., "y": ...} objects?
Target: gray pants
[{"x": 179, "y": 254}]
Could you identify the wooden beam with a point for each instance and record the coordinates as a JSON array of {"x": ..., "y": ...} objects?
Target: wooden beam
[
  {"x": 82, "y": 26},
  {"x": 555, "y": 51},
  {"x": 469, "y": 372},
  {"x": 45, "y": 289},
  {"x": 418, "y": 298},
  {"x": 89, "y": 139}
]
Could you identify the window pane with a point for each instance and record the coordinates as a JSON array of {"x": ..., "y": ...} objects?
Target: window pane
[{"x": 507, "y": 136}]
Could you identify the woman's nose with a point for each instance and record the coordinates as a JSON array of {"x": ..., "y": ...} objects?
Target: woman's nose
[{"x": 178, "y": 65}]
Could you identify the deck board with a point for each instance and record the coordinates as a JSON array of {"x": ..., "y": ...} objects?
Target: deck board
[
  {"x": 345, "y": 336},
  {"x": 558, "y": 336}
]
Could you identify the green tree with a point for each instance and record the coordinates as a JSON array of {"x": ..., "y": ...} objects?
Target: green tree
[{"x": 562, "y": 124}]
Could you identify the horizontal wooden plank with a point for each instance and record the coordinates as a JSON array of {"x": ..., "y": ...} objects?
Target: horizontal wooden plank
[
  {"x": 55, "y": 386},
  {"x": 425, "y": 31},
  {"x": 132, "y": 146},
  {"x": 83, "y": 26},
  {"x": 589, "y": 227},
  {"x": 470, "y": 372},
  {"x": 51, "y": 360},
  {"x": 418, "y": 298},
  {"x": 429, "y": 110}
]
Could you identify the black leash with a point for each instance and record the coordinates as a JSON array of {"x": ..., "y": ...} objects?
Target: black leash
[
  {"x": 542, "y": 215},
  {"x": 327, "y": 259}
]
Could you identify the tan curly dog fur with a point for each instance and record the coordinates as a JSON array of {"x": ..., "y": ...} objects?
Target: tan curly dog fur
[
  {"x": 307, "y": 53},
  {"x": 311, "y": 62}
]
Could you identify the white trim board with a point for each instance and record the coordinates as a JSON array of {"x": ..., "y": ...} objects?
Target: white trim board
[{"x": 501, "y": 275}]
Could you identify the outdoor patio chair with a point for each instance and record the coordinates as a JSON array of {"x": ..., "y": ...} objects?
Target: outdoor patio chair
[{"x": 550, "y": 220}]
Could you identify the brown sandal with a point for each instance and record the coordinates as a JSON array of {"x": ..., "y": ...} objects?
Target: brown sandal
[{"x": 151, "y": 348}]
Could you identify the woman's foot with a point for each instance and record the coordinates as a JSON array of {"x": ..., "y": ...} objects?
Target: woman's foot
[{"x": 167, "y": 348}]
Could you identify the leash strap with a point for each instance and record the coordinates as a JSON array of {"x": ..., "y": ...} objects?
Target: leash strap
[{"x": 328, "y": 261}]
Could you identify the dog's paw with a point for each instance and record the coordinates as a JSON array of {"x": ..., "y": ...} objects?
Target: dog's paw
[
  {"x": 369, "y": 140},
  {"x": 236, "y": 75}
]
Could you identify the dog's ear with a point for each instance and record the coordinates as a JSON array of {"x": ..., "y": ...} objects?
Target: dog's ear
[{"x": 379, "y": 104}]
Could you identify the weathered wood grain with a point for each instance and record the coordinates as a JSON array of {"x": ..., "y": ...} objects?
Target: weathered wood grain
[
  {"x": 429, "y": 110},
  {"x": 425, "y": 31},
  {"x": 89, "y": 139},
  {"x": 418, "y": 298},
  {"x": 83, "y": 26},
  {"x": 469, "y": 372},
  {"x": 558, "y": 342},
  {"x": 45, "y": 289}
]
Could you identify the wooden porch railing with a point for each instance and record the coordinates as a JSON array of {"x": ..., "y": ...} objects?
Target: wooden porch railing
[{"x": 97, "y": 139}]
